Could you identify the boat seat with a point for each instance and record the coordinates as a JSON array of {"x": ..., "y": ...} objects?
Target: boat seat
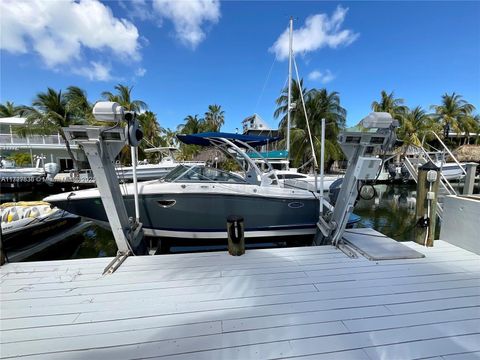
[{"x": 15, "y": 213}]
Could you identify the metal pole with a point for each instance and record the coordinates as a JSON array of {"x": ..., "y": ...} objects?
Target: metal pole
[
  {"x": 322, "y": 163},
  {"x": 469, "y": 179},
  {"x": 133, "y": 150},
  {"x": 289, "y": 84}
]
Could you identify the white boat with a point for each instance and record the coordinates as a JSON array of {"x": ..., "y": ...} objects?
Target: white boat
[
  {"x": 146, "y": 171},
  {"x": 28, "y": 222},
  {"x": 194, "y": 201},
  {"x": 9, "y": 172},
  {"x": 292, "y": 178}
]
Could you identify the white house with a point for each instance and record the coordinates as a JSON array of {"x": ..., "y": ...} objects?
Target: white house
[{"x": 51, "y": 146}]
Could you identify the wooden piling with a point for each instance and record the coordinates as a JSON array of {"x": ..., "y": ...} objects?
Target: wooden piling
[
  {"x": 469, "y": 178},
  {"x": 236, "y": 238},
  {"x": 423, "y": 185}
]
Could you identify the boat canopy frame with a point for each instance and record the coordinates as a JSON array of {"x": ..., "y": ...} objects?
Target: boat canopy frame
[{"x": 253, "y": 174}]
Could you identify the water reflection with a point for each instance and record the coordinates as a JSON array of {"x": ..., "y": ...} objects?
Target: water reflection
[{"x": 391, "y": 211}]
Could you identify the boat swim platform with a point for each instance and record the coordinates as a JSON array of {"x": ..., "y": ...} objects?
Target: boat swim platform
[{"x": 282, "y": 303}]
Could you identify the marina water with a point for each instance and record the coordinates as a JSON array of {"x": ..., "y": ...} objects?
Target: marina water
[{"x": 391, "y": 211}]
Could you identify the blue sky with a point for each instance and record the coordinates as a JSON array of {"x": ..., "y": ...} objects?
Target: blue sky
[{"x": 182, "y": 56}]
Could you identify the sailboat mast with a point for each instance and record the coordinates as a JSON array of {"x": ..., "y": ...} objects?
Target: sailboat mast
[{"x": 290, "y": 54}]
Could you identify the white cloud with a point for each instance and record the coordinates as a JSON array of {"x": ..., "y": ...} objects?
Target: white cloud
[
  {"x": 188, "y": 17},
  {"x": 59, "y": 30},
  {"x": 137, "y": 9},
  {"x": 96, "y": 71},
  {"x": 322, "y": 77},
  {"x": 319, "y": 31},
  {"x": 140, "y": 72}
]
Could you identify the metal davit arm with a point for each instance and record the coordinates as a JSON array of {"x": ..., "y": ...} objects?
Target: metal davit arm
[
  {"x": 359, "y": 148},
  {"x": 101, "y": 146}
]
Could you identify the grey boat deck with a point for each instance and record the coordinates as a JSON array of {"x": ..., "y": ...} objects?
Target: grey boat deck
[{"x": 303, "y": 303}]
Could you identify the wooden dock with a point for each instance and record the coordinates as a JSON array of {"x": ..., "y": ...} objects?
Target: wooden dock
[{"x": 302, "y": 303}]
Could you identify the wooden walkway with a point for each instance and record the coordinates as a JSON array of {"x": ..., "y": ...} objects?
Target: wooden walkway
[{"x": 302, "y": 303}]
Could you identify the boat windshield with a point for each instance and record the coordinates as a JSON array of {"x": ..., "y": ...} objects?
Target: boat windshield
[{"x": 201, "y": 173}]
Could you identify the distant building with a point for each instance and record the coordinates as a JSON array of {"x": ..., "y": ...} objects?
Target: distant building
[
  {"x": 278, "y": 157},
  {"x": 50, "y": 146},
  {"x": 254, "y": 125}
]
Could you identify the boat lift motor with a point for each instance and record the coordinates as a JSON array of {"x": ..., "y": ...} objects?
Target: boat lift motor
[
  {"x": 101, "y": 145},
  {"x": 361, "y": 145}
]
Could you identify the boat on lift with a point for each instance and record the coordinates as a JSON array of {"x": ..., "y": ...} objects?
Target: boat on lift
[
  {"x": 146, "y": 171},
  {"x": 194, "y": 201}
]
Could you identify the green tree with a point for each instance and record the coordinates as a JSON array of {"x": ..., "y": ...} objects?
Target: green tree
[
  {"x": 214, "y": 118},
  {"x": 21, "y": 159},
  {"x": 51, "y": 111},
  {"x": 9, "y": 109},
  {"x": 388, "y": 103},
  {"x": 282, "y": 104},
  {"x": 124, "y": 98},
  {"x": 192, "y": 124},
  {"x": 168, "y": 137},
  {"x": 452, "y": 111},
  {"x": 78, "y": 105},
  {"x": 151, "y": 133},
  {"x": 470, "y": 125},
  {"x": 319, "y": 104},
  {"x": 415, "y": 124}
]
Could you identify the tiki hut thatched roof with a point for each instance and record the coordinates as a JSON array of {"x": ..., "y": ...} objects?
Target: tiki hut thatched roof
[
  {"x": 209, "y": 155},
  {"x": 467, "y": 153}
]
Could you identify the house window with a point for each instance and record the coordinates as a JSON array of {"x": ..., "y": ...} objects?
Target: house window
[{"x": 66, "y": 164}]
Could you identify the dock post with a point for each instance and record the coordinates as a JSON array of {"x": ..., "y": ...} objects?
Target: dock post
[
  {"x": 426, "y": 205},
  {"x": 236, "y": 238},
  {"x": 469, "y": 178}
]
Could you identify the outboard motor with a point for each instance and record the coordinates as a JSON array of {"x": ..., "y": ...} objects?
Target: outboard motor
[
  {"x": 334, "y": 190},
  {"x": 405, "y": 173},
  {"x": 392, "y": 171},
  {"x": 51, "y": 169}
]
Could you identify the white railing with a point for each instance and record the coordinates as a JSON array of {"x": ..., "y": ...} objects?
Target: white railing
[
  {"x": 13, "y": 139},
  {"x": 422, "y": 158}
]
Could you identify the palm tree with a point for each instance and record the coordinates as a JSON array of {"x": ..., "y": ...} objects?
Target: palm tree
[
  {"x": 469, "y": 124},
  {"x": 214, "y": 118},
  {"x": 192, "y": 125},
  {"x": 415, "y": 125},
  {"x": 388, "y": 103},
  {"x": 51, "y": 111},
  {"x": 319, "y": 104},
  {"x": 282, "y": 102},
  {"x": 169, "y": 137},
  {"x": 78, "y": 104},
  {"x": 452, "y": 110},
  {"x": 124, "y": 98},
  {"x": 10, "y": 110},
  {"x": 151, "y": 132}
]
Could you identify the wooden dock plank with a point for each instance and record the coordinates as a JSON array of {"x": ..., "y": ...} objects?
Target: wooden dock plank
[
  {"x": 463, "y": 356},
  {"x": 307, "y": 303}
]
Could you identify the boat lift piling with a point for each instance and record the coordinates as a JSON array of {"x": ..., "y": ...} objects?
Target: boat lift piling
[
  {"x": 427, "y": 194},
  {"x": 469, "y": 178},
  {"x": 360, "y": 145},
  {"x": 101, "y": 146}
]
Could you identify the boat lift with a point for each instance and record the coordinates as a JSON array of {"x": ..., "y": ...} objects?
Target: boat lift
[
  {"x": 361, "y": 145},
  {"x": 101, "y": 145}
]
